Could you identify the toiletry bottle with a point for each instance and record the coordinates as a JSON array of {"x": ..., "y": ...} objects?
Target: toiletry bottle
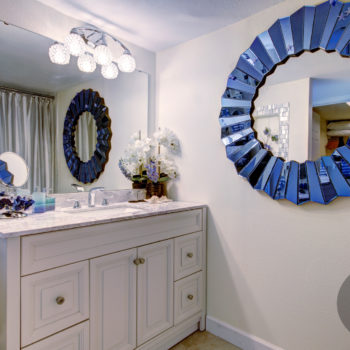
[{"x": 40, "y": 201}]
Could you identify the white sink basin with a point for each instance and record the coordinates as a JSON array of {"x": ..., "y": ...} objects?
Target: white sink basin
[{"x": 116, "y": 208}]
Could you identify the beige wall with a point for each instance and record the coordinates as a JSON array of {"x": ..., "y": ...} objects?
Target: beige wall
[{"x": 274, "y": 269}]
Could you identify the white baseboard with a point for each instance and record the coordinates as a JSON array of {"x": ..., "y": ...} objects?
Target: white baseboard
[{"x": 237, "y": 337}]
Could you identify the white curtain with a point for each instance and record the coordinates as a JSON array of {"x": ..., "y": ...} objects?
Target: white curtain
[{"x": 27, "y": 127}]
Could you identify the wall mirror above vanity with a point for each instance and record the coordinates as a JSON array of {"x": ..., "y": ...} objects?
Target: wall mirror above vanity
[
  {"x": 285, "y": 127},
  {"x": 37, "y": 94}
]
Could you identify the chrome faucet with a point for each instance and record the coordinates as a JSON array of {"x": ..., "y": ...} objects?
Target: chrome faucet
[{"x": 92, "y": 195}]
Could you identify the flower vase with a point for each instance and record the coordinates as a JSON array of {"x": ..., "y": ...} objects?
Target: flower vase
[
  {"x": 138, "y": 185},
  {"x": 155, "y": 189}
]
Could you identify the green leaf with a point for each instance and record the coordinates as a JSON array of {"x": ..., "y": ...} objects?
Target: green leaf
[
  {"x": 163, "y": 179},
  {"x": 138, "y": 178}
]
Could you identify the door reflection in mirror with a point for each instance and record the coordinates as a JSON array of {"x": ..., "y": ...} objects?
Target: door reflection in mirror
[{"x": 303, "y": 110}]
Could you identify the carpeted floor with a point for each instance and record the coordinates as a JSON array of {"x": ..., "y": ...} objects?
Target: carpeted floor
[{"x": 204, "y": 341}]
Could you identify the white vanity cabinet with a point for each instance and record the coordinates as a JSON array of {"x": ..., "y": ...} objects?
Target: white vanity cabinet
[{"x": 136, "y": 283}]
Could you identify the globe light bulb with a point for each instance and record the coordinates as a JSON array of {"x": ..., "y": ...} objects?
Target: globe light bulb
[
  {"x": 126, "y": 63},
  {"x": 86, "y": 63},
  {"x": 110, "y": 71},
  {"x": 59, "y": 54},
  {"x": 75, "y": 44},
  {"x": 102, "y": 55}
]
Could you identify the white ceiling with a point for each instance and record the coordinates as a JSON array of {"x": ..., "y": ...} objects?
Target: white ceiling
[
  {"x": 159, "y": 24},
  {"x": 340, "y": 111}
]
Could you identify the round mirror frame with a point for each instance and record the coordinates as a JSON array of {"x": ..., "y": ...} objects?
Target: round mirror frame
[
  {"x": 325, "y": 26},
  {"x": 87, "y": 101}
]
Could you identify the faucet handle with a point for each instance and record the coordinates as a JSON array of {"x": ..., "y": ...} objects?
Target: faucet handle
[
  {"x": 76, "y": 204},
  {"x": 105, "y": 201},
  {"x": 78, "y": 188}
]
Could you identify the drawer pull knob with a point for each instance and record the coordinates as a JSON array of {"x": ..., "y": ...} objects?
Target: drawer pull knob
[
  {"x": 190, "y": 297},
  {"x": 142, "y": 260},
  {"x": 190, "y": 255},
  {"x": 59, "y": 300},
  {"x": 137, "y": 261}
]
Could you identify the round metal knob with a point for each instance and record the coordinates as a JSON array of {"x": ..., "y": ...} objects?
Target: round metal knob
[
  {"x": 190, "y": 255},
  {"x": 59, "y": 300},
  {"x": 142, "y": 260},
  {"x": 190, "y": 297},
  {"x": 137, "y": 261}
]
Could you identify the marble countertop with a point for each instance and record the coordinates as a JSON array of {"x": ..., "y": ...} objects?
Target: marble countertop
[{"x": 69, "y": 218}]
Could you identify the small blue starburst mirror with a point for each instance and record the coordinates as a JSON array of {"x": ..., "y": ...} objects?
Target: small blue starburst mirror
[
  {"x": 87, "y": 170},
  {"x": 257, "y": 130}
]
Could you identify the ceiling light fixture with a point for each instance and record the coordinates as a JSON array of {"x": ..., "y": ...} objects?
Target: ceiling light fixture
[
  {"x": 86, "y": 63},
  {"x": 75, "y": 44},
  {"x": 102, "y": 55},
  {"x": 110, "y": 71},
  {"x": 59, "y": 54},
  {"x": 126, "y": 62},
  {"x": 89, "y": 44}
]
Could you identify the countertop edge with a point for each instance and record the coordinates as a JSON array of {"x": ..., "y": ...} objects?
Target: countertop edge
[{"x": 27, "y": 232}]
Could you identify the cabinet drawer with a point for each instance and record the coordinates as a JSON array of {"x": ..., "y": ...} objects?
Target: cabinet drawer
[
  {"x": 44, "y": 251},
  {"x": 188, "y": 297},
  {"x": 53, "y": 300},
  {"x": 188, "y": 255},
  {"x": 75, "y": 338}
]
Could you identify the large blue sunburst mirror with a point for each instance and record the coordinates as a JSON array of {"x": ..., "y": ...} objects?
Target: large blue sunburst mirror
[{"x": 286, "y": 125}]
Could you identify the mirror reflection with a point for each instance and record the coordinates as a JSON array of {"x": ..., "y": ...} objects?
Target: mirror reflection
[
  {"x": 86, "y": 136},
  {"x": 17, "y": 167},
  {"x": 34, "y": 97},
  {"x": 303, "y": 110}
]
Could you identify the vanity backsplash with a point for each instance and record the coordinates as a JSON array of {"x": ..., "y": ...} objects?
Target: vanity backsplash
[{"x": 67, "y": 200}]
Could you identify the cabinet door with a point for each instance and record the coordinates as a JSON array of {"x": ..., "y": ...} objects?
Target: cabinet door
[
  {"x": 113, "y": 301},
  {"x": 155, "y": 290}
]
